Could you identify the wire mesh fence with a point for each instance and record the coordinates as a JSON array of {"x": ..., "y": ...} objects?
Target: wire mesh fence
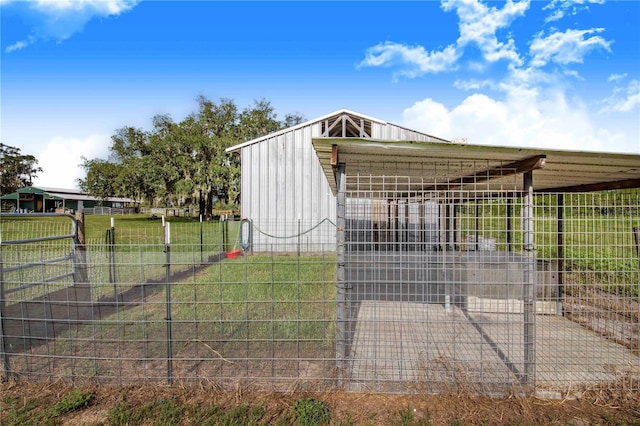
[
  {"x": 483, "y": 289},
  {"x": 423, "y": 290},
  {"x": 177, "y": 302}
]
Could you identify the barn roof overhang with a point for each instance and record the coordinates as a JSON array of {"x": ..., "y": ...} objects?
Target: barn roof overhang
[{"x": 456, "y": 166}]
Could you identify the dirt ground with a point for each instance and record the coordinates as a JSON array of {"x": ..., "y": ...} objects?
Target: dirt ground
[{"x": 594, "y": 407}]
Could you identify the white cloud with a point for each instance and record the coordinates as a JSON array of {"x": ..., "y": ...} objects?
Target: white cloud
[
  {"x": 479, "y": 24},
  {"x": 525, "y": 118},
  {"x": 529, "y": 105},
  {"x": 429, "y": 114},
  {"x": 562, "y": 8},
  {"x": 62, "y": 157},
  {"x": 567, "y": 47},
  {"x": 20, "y": 44},
  {"x": 103, "y": 7},
  {"x": 416, "y": 59},
  {"x": 474, "y": 84},
  {"x": 623, "y": 99},
  {"x": 60, "y": 19},
  {"x": 555, "y": 16},
  {"x": 616, "y": 77}
]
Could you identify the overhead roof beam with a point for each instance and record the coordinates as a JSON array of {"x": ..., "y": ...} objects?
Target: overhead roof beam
[
  {"x": 527, "y": 165},
  {"x": 602, "y": 186},
  {"x": 334, "y": 155}
]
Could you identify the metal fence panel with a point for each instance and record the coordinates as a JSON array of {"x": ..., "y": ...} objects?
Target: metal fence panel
[
  {"x": 420, "y": 291},
  {"x": 513, "y": 291}
]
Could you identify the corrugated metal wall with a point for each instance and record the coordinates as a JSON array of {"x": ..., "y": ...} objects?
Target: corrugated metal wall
[{"x": 285, "y": 192}]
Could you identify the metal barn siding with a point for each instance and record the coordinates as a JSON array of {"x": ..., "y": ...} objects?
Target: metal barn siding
[
  {"x": 284, "y": 189},
  {"x": 394, "y": 132},
  {"x": 285, "y": 193}
]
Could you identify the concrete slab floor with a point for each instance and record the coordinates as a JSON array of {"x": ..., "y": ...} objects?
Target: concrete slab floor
[{"x": 417, "y": 343}]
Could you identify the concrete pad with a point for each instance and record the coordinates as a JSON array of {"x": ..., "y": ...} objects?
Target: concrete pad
[
  {"x": 422, "y": 344},
  {"x": 400, "y": 345},
  {"x": 567, "y": 354}
]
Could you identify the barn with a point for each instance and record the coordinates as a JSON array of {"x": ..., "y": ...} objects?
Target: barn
[
  {"x": 284, "y": 191},
  {"x": 32, "y": 199}
]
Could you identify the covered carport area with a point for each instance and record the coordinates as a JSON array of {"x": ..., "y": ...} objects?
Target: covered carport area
[{"x": 460, "y": 266}]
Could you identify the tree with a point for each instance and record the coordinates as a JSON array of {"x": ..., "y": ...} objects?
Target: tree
[
  {"x": 186, "y": 161},
  {"x": 216, "y": 127},
  {"x": 102, "y": 180},
  {"x": 16, "y": 170}
]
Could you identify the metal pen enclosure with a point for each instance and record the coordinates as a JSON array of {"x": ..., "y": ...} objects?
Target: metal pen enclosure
[{"x": 456, "y": 269}]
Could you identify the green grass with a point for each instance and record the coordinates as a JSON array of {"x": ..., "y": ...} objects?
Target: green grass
[
  {"x": 261, "y": 307},
  {"x": 311, "y": 412},
  {"x": 73, "y": 401},
  {"x": 139, "y": 251},
  {"x": 598, "y": 240}
]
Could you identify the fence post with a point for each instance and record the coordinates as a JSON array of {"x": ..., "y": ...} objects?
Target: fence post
[
  {"x": 111, "y": 247},
  {"x": 201, "y": 242},
  {"x": 298, "y": 235},
  {"x": 3, "y": 349},
  {"x": 636, "y": 235},
  {"x": 560, "y": 253},
  {"x": 167, "y": 245},
  {"x": 112, "y": 243},
  {"x": 529, "y": 277},
  {"x": 80, "y": 254},
  {"x": 342, "y": 312},
  {"x": 225, "y": 229}
]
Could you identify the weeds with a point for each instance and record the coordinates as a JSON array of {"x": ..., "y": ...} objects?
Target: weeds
[
  {"x": 73, "y": 401},
  {"x": 408, "y": 418},
  {"x": 311, "y": 412},
  {"x": 29, "y": 413}
]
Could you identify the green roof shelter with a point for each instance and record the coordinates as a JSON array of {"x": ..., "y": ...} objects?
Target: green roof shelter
[{"x": 49, "y": 200}]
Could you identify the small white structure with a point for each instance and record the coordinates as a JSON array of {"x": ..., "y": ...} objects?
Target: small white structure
[{"x": 284, "y": 190}]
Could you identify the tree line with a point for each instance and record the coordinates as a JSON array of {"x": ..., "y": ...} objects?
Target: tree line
[{"x": 182, "y": 163}]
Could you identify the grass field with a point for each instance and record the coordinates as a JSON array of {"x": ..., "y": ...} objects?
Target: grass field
[
  {"x": 138, "y": 255},
  {"x": 260, "y": 316},
  {"x": 598, "y": 240}
]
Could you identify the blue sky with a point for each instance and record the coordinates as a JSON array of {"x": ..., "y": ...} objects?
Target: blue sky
[{"x": 548, "y": 74}]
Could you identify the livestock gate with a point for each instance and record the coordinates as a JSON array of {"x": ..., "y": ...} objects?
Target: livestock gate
[
  {"x": 44, "y": 289},
  {"x": 490, "y": 270}
]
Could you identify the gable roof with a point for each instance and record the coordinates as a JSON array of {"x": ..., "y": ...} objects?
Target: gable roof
[{"x": 323, "y": 118}]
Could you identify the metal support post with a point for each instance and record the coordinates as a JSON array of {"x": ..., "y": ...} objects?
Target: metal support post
[
  {"x": 3, "y": 347},
  {"x": 167, "y": 242},
  {"x": 529, "y": 293},
  {"x": 342, "y": 311},
  {"x": 560, "y": 254}
]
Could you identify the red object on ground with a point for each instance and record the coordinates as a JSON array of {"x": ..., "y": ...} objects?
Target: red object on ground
[{"x": 233, "y": 254}]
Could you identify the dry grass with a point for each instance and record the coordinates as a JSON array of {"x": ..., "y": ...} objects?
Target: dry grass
[{"x": 194, "y": 403}]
